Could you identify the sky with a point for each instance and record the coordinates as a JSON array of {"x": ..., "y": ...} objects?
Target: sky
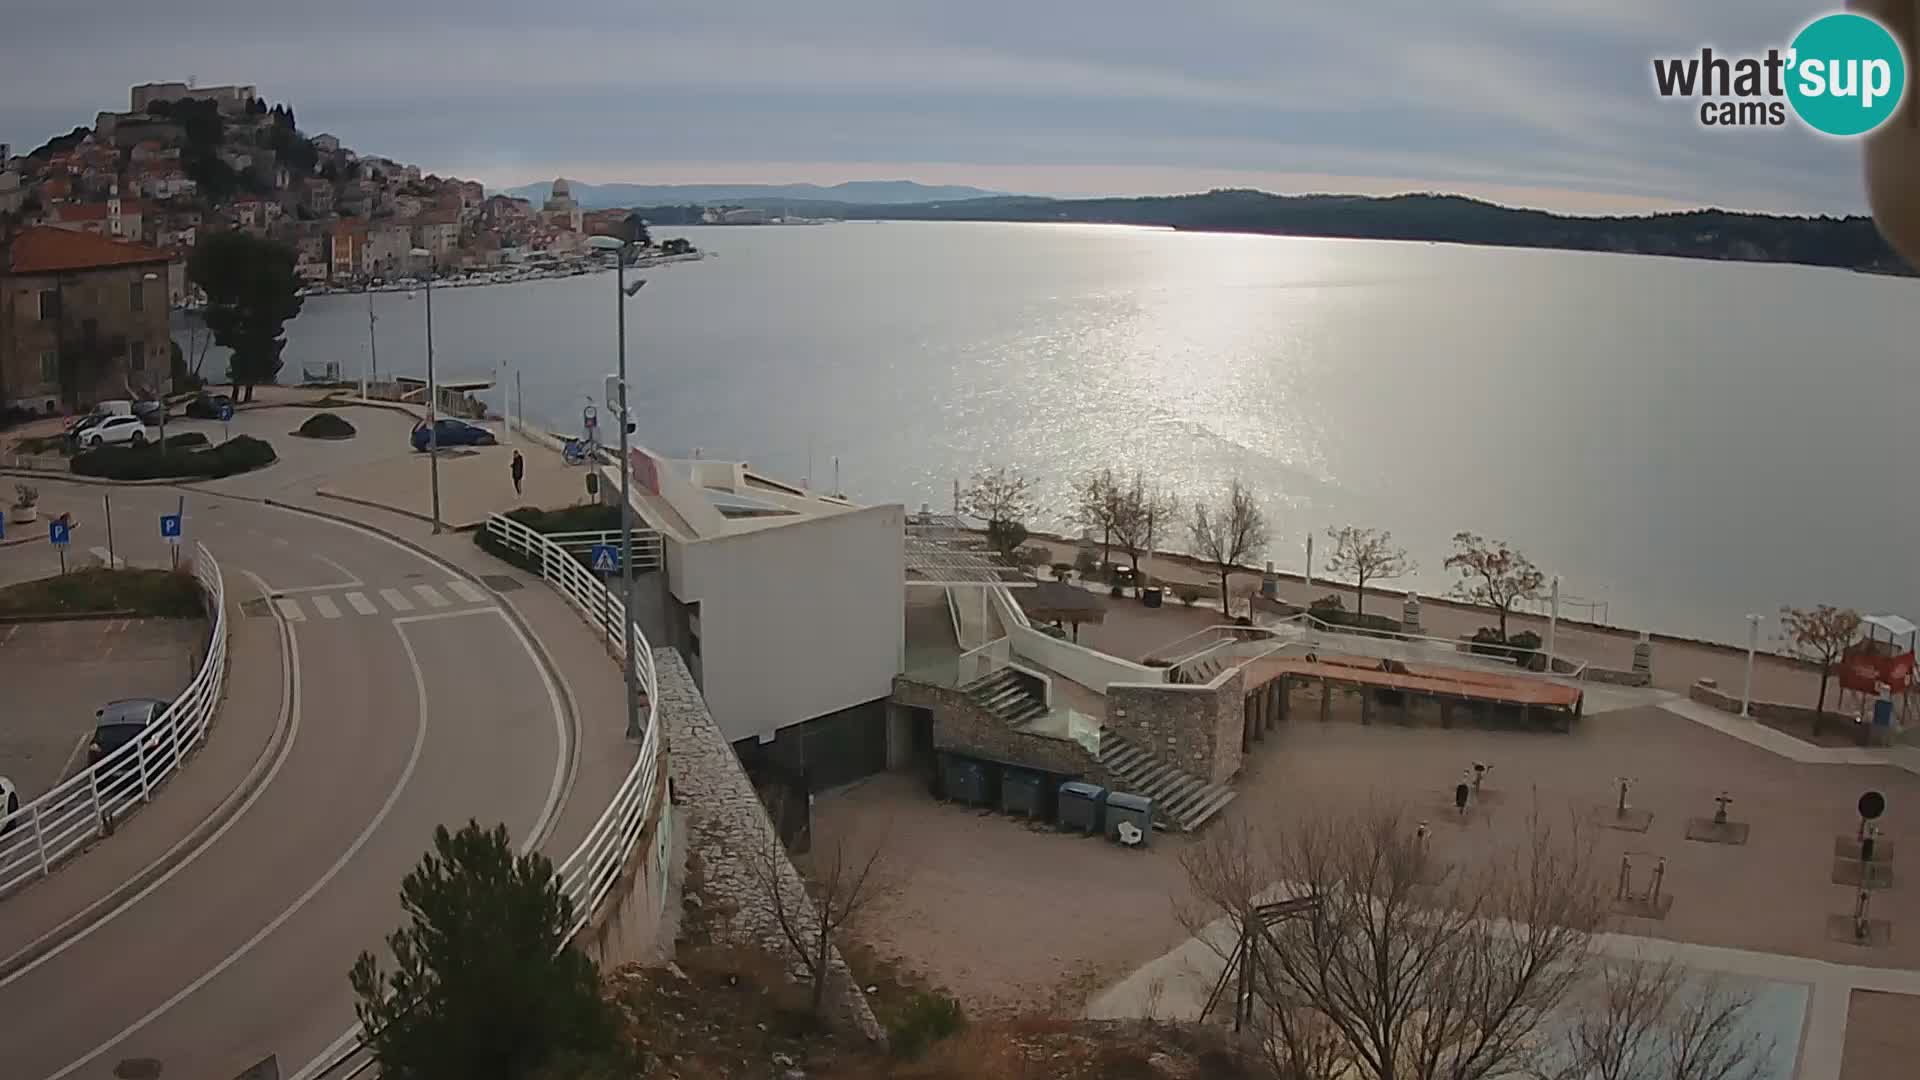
[{"x": 1546, "y": 103}]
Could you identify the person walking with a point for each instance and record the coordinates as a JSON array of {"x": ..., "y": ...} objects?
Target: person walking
[{"x": 519, "y": 470}]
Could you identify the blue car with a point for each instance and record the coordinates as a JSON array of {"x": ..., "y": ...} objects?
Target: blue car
[{"x": 452, "y": 432}]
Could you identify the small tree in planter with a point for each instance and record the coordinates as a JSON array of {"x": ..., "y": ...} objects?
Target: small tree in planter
[
  {"x": 1188, "y": 594},
  {"x": 26, "y": 501}
]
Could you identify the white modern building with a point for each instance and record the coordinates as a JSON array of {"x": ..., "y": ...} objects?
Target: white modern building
[{"x": 788, "y": 604}]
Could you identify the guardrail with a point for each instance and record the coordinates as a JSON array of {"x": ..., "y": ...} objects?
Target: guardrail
[
  {"x": 647, "y": 552},
  {"x": 591, "y": 871},
  {"x": 92, "y": 802}
]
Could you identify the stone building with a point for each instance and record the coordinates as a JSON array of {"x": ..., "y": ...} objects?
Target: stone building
[{"x": 82, "y": 318}]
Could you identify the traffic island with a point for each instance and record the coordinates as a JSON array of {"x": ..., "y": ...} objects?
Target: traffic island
[
  {"x": 242, "y": 453},
  {"x": 325, "y": 425}
]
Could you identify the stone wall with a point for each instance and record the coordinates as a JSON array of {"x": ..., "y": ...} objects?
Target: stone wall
[
  {"x": 637, "y": 922},
  {"x": 961, "y": 725},
  {"x": 1195, "y": 727},
  {"x": 1707, "y": 692},
  {"x": 725, "y": 823},
  {"x": 1619, "y": 678}
]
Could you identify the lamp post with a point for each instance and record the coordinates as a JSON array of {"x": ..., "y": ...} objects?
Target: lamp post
[
  {"x": 1753, "y": 642},
  {"x": 373, "y": 348},
  {"x": 433, "y": 403},
  {"x": 622, "y": 247},
  {"x": 164, "y": 382}
]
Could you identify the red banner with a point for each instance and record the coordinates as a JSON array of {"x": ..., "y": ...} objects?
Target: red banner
[{"x": 1866, "y": 671}]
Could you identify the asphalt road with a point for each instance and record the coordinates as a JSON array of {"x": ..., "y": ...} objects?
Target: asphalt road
[{"x": 412, "y": 701}]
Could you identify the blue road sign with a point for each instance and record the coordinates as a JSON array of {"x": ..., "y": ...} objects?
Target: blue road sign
[
  {"x": 226, "y": 413},
  {"x": 606, "y": 558},
  {"x": 57, "y": 532},
  {"x": 170, "y": 526}
]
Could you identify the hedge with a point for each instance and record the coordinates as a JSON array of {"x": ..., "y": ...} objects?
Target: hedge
[
  {"x": 326, "y": 425},
  {"x": 155, "y": 593},
  {"x": 242, "y": 453},
  {"x": 589, "y": 517}
]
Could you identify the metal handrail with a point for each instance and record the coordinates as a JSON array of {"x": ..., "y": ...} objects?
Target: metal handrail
[
  {"x": 593, "y": 869},
  {"x": 93, "y": 801}
]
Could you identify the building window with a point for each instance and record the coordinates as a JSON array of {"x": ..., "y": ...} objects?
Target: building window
[
  {"x": 49, "y": 304},
  {"x": 137, "y": 296},
  {"x": 137, "y": 359},
  {"x": 49, "y": 366}
]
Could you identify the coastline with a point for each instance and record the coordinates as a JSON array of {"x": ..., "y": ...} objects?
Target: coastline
[{"x": 478, "y": 279}]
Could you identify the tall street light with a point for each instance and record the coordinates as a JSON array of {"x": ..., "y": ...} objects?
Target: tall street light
[
  {"x": 622, "y": 246},
  {"x": 433, "y": 404},
  {"x": 1753, "y": 642}
]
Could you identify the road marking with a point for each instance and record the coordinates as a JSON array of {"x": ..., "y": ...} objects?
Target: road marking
[
  {"x": 289, "y": 718},
  {"x": 108, "y": 558},
  {"x": 361, "y": 604},
  {"x": 290, "y": 608},
  {"x": 466, "y": 592},
  {"x": 325, "y": 606},
  {"x": 396, "y": 601},
  {"x": 432, "y": 596},
  {"x": 234, "y": 957},
  {"x": 352, "y": 578}
]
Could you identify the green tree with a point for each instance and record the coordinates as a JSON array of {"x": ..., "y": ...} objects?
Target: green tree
[
  {"x": 252, "y": 291},
  {"x": 485, "y": 985}
]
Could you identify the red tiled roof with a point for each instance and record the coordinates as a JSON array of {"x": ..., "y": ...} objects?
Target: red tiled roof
[
  {"x": 97, "y": 211},
  {"x": 44, "y": 249}
]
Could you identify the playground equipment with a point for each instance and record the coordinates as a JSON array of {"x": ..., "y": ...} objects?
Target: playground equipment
[{"x": 1876, "y": 675}]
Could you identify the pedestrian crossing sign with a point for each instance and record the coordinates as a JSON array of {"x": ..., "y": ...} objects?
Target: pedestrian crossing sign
[{"x": 605, "y": 559}]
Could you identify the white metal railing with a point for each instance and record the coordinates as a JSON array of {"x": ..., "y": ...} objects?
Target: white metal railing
[
  {"x": 1306, "y": 628},
  {"x": 93, "y": 801},
  {"x": 587, "y": 875},
  {"x": 646, "y": 544}
]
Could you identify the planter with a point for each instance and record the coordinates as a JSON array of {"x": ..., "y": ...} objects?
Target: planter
[{"x": 20, "y": 515}]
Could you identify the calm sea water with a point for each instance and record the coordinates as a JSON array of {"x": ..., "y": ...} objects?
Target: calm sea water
[{"x": 1688, "y": 441}]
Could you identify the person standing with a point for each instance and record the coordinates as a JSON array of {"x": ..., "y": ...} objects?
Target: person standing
[{"x": 519, "y": 470}]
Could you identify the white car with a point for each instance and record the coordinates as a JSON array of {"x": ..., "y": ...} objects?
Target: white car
[
  {"x": 116, "y": 429},
  {"x": 9, "y": 806}
]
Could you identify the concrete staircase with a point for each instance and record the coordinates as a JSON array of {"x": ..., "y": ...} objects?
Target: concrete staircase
[
  {"x": 1199, "y": 671},
  {"x": 1008, "y": 696},
  {"x": 1178, "y": 796}
]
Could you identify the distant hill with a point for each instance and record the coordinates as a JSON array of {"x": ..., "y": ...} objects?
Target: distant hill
[
  {"x": 1846, "y": 242},
  {"x": 875, "y": 192}
]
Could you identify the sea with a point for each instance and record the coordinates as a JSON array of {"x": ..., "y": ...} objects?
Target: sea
[{"x": 1679, "y": 442}]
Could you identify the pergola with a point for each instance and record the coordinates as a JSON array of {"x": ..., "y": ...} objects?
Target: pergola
[{"x": 1058, "y": 602}]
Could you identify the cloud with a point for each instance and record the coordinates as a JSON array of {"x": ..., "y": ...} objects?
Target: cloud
[{"x": 1480, "y": 95}]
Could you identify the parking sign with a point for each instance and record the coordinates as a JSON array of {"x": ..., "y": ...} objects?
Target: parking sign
[
  {"x": 57, "y": 532},
  {"x": 170, "y": 527}
]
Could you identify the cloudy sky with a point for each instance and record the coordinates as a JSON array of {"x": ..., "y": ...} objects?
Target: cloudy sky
[{"x": 1532, "y": 102}]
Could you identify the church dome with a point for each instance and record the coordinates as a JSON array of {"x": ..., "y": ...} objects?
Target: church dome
[{"x": 560, "y": 189}]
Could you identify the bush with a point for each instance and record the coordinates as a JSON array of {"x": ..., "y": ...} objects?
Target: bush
[
  {"x": 1327, "y": 604},
  {"x": 1522, "y": 648},
  {"x": 589, "y": 517},
  {"x": 154, "y": 593},
  {"x": 242, "y": 453},
  {"x": 183, "y": 441},
  {"x": 1188, "y": 594},
  {"x": 326, "y": 425},
  {"x": 925, "y": 1020}
]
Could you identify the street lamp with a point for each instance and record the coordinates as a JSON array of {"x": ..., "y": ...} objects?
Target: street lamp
[
  {"x": 622, "y": 246},
  {"x": 433, "y": 418},
  {"x": 1753, "y": 642}
]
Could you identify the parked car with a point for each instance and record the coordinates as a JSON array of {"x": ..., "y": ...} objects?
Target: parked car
[
  {"x": 9, "y": 806},
  {"x": 115, "y": 429},
  {"x": 149, "y": 410},
  {"x": 208, "y": 406},
  {"x": 451, "y": 432},
  {"x": 118, "y": 723}
]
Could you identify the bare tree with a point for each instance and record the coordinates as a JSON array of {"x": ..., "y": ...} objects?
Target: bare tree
[
  {"x": 1396, "y": 973},
  {"x": 848, "y": 876},
  {"x": 1004, "y": 500},
  {"x": 1643, "y": 1020},
  {"x": 1492, "y": 574},
  {"x": 1096, "y": 502},
  {"x": 1366, "y": 555},
  {"x": 1228, "y": 535},
  {"x": 1820, "y": 635},
  {"x": 1141, "y": 514}
]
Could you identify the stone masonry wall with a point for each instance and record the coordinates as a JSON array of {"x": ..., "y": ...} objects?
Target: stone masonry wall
[
  {"x": 1195, "y": 727},
  {"x": 726, "y": 824},
  {"x": 963, "y": 726},
  {"x": 1707, "y": 692}
]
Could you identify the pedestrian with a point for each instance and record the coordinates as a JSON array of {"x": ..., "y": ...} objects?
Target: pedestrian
[{"x": 519, "y": 470}]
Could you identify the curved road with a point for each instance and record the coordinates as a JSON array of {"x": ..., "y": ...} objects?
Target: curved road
[{"x": 411, "y": 701}]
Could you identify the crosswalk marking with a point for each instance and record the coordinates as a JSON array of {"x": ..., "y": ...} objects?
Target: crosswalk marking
[
  {"x": 432, "y": 596},
  {"x": 361, "y": 604},
  {"x": 396, "y": 601},
  {"x": 290, "y": 609},
  {"x": 324, "y": 605},
  {"x": 328, "y": 608},
  {"x": 466, "y": 592},
  {"x": 107, "y": 558}
]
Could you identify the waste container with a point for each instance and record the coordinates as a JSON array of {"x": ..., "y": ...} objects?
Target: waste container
[
  {"x": 1081, "y": 804},
  {"x": 1020, "y": 792},
  {"x": 1150, "y": 596},
  {"x": 1126, "y": 807},
  {"x": 966, "y": 781}
]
